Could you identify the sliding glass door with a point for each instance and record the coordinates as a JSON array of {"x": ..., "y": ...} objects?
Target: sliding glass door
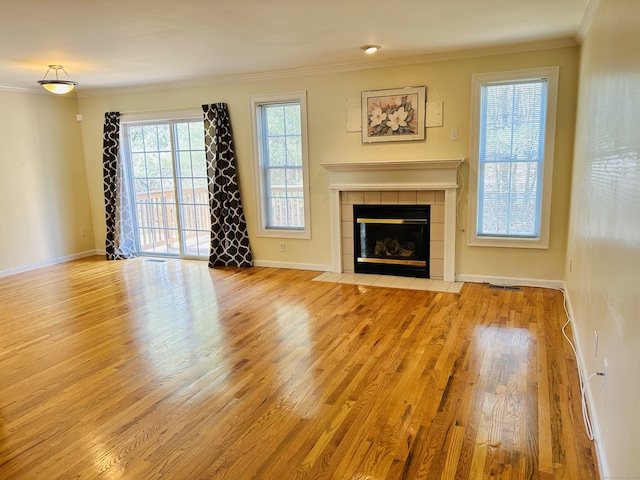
[{"x": 169, "y": 181}]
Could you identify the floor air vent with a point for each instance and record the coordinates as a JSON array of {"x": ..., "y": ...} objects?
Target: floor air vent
[
  {"x": 155, "y": 260},
  {"x": 505, "y": 287}
]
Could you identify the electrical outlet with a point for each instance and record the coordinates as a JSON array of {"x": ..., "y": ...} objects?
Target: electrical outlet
[
  {"x": 453, "y": 134},
  {"x": 606, "y": 374},
  {"x": 283, "y": 247},
  {"x": 595, "y": 343},
  {"x": 83, "y": 232}
]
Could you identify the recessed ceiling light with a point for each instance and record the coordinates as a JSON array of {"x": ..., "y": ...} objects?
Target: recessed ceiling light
[{"x": 370, "y": 48}]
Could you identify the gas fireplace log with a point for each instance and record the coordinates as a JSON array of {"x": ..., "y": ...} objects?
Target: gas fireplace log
[{"x": 393, "y": 248}]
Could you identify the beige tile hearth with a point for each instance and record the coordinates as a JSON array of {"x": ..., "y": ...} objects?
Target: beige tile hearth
[{"x": 390, "y": 281}]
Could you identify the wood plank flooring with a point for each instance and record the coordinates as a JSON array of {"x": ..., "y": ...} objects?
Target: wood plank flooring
[{"x": 142, "y": 369}]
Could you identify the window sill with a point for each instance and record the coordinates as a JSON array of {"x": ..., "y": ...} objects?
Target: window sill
[
  {"x": 509, "y": 242},
  {"x": 284, "y": 233}
]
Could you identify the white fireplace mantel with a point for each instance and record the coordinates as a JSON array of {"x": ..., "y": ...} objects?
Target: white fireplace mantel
[{"x": 394, "y": 175}]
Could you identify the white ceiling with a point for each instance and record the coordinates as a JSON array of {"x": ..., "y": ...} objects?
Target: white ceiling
[{"x": 128, "y": 43}]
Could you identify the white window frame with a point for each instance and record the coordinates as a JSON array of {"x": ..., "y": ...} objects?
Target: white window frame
[
  {"x": 551, "y": 74},
  {"x": 256, "y": 101}
]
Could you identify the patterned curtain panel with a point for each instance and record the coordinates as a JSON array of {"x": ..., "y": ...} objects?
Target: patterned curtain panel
[
  {"x": 229, "y": 237},
  {"x": 120, "y": 241}
]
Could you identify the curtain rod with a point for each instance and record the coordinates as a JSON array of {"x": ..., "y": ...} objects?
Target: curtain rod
[
  {"x": 161, "y": 114},
  {"x": 158, "y": 110}
]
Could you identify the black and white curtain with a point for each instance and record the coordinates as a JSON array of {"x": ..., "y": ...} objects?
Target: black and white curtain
[
  {"x": 120, "y": 241},
  {"x": 229, "y": 237}
]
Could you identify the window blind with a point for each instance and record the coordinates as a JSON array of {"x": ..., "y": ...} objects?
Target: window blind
[{"x": 511, "y": 158}]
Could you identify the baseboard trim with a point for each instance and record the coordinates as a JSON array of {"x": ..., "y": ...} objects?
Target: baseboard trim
[
  {"x": 595, "y": 425},
  {"x": 89, "y": 253},
  {"x": 48, "y": 263},
  {"x": 520, "y": 282},
  {"x": 292, "y": 265}
]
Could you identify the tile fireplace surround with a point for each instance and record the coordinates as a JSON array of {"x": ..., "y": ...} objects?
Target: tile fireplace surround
[{"x": 432, "y": 182}]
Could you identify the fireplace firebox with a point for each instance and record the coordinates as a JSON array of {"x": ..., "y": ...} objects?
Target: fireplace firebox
[{"x": 392, "y": 239}]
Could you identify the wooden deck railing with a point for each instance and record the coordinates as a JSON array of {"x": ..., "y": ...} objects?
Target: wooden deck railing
[
  {"x": 158, "y": 222},
  {"x": 279, "y": 206}
]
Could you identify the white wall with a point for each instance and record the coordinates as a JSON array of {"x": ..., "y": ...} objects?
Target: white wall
[
  {"x": 44, "y": 199},
  {"x": 603, "y": 267}
]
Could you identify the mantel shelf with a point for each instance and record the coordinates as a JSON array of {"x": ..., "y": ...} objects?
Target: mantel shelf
[{"x": 395, "y": 165}]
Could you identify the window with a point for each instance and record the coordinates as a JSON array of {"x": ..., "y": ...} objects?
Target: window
[
  {"x": 280, "y": 156},
  {"x": 167, "y": 166},
  {"x": 513, "y": 131}
]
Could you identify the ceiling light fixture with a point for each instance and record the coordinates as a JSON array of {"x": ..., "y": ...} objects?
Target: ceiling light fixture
[
  {"x": 370, "y": 48},
  {"x": 57, "y": 86}
]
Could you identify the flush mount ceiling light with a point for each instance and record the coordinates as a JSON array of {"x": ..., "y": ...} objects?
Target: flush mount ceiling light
[
  {"x": 57, "y": 86},
  {"x": 370, "y": 48}
]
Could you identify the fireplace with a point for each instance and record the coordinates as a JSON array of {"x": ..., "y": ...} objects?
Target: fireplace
[
  {"x": 392, "y": 239},
  {"x": 418, "y": 179}
]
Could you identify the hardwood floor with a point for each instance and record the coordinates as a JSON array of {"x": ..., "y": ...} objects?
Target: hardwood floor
[{"x": 143, "y": 369}]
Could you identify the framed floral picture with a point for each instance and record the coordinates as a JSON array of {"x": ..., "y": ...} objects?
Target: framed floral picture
[{"x": 394, "y": 115}]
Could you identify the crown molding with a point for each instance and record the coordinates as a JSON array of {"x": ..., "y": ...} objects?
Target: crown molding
[
  {"x": 587, "y": 18},
  {"x": 11, "y": 88},
  {"x": 563, "y": 42}
]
